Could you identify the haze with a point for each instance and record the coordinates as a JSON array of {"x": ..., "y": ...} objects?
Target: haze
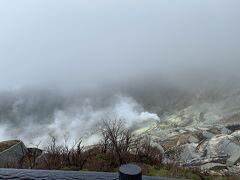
[
  {"x": 94, "y": 43},
  {"x": 84, "y": 60}
]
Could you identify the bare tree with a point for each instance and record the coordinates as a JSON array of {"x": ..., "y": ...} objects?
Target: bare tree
[
  {"x": 77, "y": 156},
  {"x": 120, "y": 142},
  {"x": 53, "y": 155},
  {"x": 116, "y": 138},
  {"x": 65, "y": 156}
]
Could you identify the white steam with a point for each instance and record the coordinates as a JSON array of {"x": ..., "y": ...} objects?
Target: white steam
[{"x": 82, "y": 121}]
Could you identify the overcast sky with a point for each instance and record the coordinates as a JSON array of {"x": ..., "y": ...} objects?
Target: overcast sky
[{"x": 92, "y": 42}]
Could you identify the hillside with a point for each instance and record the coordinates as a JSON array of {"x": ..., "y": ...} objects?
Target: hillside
[
  {"x": 7, "y": 144},
  {"x": 204, "y": 134}
]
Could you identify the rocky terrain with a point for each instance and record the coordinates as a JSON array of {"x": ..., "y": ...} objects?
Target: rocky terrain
[
  {"x": 204, "y": 135},
  {"x": 200, "y": 130},
  {"x": 14, "y": 154}
]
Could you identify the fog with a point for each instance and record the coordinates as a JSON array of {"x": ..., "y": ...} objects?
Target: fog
[{"x": 64, "y": 66}]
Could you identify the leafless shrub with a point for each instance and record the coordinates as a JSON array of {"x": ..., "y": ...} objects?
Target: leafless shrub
[
  {"x": 58, "y": 157},
  {"x": 120, "y": 143},
  {"x": 116, "y": 139}
]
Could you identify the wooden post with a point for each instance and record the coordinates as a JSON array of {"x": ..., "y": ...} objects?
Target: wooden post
[{"x": 130, "y": 172}]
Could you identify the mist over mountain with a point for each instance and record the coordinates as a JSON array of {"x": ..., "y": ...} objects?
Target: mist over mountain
[
  {"x": 35, "y": 114},
  {"x": 66, "y": 66}
]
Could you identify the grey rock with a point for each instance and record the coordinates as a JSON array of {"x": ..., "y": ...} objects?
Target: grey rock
[
  {"x": 189, "y": 153},
  {"x": 12, "y": 156},
  {"x": 193, "y": 139},
  {"x": 207, "y": 134},
  {"x": 225, "y": 130},
  {"x": 234, "y": 159},
  {"x": 212, "y": 166}
]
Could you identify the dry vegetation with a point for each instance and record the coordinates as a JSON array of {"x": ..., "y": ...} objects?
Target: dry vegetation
[
  {"x": 118, "y": 145},
  {"x": 7, "y": 144}
]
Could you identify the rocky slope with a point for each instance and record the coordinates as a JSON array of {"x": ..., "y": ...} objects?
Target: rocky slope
[{"x": 204, "y": 135}]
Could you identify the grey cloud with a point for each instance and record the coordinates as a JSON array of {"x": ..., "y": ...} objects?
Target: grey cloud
[
  {"x": 56, "y": 55},
  {"x": 83, "y": 44}
]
